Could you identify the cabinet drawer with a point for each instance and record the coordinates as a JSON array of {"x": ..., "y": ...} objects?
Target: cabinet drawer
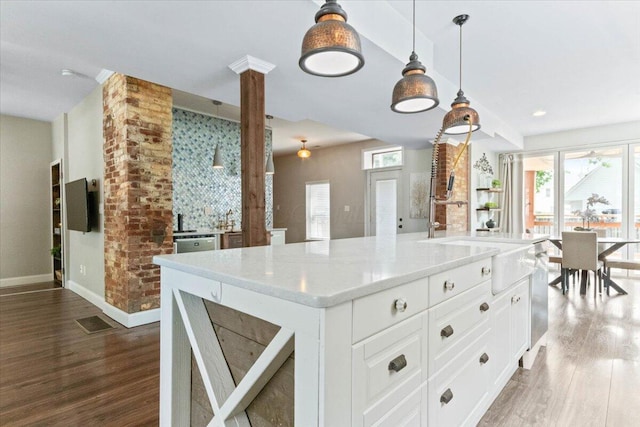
[
  {"x": 386, "y": 369},
  {"x": 452, "y": 323},
  {"x": 447, "y": 284},
  {"x": 408, "y": 413},
  {"x": 376, "y": 312},
  {"x": 457, "y": 393}
]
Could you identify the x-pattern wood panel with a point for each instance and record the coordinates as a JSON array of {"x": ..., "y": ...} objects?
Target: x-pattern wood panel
[{"x": 228, "y": 401}]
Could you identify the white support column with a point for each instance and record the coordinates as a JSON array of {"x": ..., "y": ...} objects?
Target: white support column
[{"x": 175, "y": 362}]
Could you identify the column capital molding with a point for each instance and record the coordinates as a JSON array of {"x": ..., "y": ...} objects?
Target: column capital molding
[{"x": 249, "y": 62}]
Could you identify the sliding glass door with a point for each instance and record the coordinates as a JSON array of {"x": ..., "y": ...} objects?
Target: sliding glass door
[
  {"x": 540, "y": 194},
  {"x": 594, "y": 190}
]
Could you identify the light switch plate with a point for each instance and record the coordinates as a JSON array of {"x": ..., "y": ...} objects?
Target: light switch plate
[{"x": 347, "y": 208}]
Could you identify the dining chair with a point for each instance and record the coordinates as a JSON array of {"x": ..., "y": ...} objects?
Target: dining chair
[{"x": 580, "y": 252}]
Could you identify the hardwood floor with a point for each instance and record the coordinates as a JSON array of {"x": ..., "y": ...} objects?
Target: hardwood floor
[
  {"x": 53, "y": 374},
  {"x": 589, "y": 373},
  {"x": 10, "y": 290}
]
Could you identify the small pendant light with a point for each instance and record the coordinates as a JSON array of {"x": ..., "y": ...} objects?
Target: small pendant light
[
  {"x": 331, "y": 48},
  {"x": 217, "y": 157},
  {"x": 269, "y": 168},
  {"x": 415, "y": 91},
  {"x": 303, "y": 153},
  {"x": 456, "y": 121}
]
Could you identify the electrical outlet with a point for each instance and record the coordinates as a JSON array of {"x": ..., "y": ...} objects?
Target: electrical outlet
[
  {"x": 208, "y": 210},
  {"x": 347, "y": 208}
]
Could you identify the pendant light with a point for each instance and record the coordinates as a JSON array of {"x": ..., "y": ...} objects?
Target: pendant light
[
  {"x": 415, "y": 91},
  {"x": 269, "y": 168},
  {"x": 303, "y": 153},
  {"x": 217, "y": 157},
  {"x": 456, "y": 121},
  {"x": 331, "y": 48}
]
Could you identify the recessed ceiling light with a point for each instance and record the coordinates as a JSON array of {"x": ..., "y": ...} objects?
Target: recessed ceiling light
[{"x": 539, "y": 113}]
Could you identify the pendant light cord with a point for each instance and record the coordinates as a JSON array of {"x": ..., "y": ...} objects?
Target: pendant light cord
[
  {"x": 414, "y": 26},
  {"x": 460, "y": 82}
]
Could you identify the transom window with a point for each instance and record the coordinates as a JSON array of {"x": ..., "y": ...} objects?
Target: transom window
[{"x": 382, "y": 157}]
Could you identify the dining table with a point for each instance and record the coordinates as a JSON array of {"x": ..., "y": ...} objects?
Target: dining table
[{"x": 606, "y": 247}]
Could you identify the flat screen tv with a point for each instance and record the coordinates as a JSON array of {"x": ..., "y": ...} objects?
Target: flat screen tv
[{"x": 78, "y": 205}]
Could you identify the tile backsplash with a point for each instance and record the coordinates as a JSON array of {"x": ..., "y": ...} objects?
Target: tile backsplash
[{"x": 197, "y": 186}]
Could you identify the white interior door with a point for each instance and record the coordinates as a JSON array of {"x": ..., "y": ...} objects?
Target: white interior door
[{"x": 384, "y": 203}]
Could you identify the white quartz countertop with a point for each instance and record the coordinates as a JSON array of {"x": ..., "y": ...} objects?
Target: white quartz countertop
[{"x": 327, "y": 273}]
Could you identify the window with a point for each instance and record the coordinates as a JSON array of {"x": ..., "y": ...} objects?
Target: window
[
  {"x": 382, "y": 158},
  {"x": 318, "y": 211}
]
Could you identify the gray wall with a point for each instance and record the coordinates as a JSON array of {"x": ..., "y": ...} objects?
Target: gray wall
[
  {"x": 342, "y": 167},
  {"x": 25, "y": 219},
  {"x": 85, "y": 160}
]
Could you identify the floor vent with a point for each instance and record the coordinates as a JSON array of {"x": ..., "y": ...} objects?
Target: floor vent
[{"x": 93, "y": 324}]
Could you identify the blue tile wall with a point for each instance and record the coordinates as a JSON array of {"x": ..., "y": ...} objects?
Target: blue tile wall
[{"x": 196, "y": 184}]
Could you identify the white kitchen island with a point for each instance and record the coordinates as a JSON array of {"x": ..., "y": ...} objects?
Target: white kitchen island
[{"x": 386, "y": 330}]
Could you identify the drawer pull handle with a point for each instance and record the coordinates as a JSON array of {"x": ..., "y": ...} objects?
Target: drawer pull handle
[
  {"x": 484, "y": 307},
  {"x": 485, "y": 271},
  {"x": 484, "y": 358},
  {"x": 400, "y": 305},
  {"x": 446, "y": 396},
  {"x": 447, "y": 331},
  {"x": 448, "y": 286},
  {"x": 515, "y": 299},
  {"x": 398, "y": 364}
]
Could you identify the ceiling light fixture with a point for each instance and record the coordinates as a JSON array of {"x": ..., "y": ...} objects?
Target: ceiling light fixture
[
  {"x": 457, "y": 121},
  {"x": 539, "y": 113},
  {"x": 331, "y": 48},
  {"x": 269, "y": 168},
  {"x": 217, "y": 157},
  {"x": 303, "y": 153},
  {"x": 415, "y": 91}
]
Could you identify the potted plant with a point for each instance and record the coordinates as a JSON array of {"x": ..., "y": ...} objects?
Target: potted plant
[
  {"x": 589, "y": 214},
  {"x": 496, "y": 183},
  {"x": 55, "y": 251}
]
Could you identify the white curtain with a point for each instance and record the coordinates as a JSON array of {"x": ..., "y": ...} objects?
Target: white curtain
[{"x": 512, "y": 198}]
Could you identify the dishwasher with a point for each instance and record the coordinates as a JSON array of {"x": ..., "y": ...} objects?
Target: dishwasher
[{"x": 539, "y": 303}]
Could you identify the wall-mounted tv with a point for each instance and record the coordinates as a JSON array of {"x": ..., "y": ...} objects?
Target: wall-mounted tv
[{"x": 78, "y": 205}]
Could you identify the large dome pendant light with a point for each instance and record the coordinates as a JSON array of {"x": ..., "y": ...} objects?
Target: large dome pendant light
[
  {"x": 415, "y": 91},
  {"x": 331, "y": 48},
  {"x": 456, "y": 121}
]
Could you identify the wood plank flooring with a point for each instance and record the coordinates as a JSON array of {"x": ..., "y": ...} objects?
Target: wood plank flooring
[
  {"x": 10, "y": 290},
  {"x": 589, "y": 373},
  {"x": 53, "y": 374}
]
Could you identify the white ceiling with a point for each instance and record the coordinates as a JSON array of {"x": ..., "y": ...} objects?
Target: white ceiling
[{"x": 578, "y": 60}]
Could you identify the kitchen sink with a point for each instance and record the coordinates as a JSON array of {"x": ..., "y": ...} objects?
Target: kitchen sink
[{"x": 515, "y": 260}]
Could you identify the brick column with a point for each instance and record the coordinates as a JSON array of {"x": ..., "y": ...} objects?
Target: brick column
[
  {"x": 457, "y": 218},
  {"x": 138, "y": 190}
]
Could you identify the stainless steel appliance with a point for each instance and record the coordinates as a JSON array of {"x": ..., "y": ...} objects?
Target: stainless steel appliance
[
  {"x": 196, "y": 243},
  {"x": 539, "y": 294}
]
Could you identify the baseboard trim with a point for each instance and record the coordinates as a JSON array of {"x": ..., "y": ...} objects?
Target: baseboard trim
[
  {"x": 26, "y": 280},
  {"x": 128, "y": 320},
  {"x": 131, "y": 320}
]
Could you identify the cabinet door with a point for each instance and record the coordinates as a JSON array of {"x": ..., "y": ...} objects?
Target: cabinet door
[
  {"x": 501, "y": 342},
  {"x": 520, "y": 319}
]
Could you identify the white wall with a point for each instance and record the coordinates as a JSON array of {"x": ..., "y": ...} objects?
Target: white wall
[
  {"x": 25, "y": 217},
  {"x": 616, "y": 133},
  {"x": 85, "y": 160}
]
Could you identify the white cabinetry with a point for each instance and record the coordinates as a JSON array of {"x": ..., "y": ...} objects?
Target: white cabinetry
[
  {"x": 278, "y": 236},
  {"x": 421, "y": 353},
  {"x": 520, "y": 319},
  {"x": 510, "y": 330}
]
